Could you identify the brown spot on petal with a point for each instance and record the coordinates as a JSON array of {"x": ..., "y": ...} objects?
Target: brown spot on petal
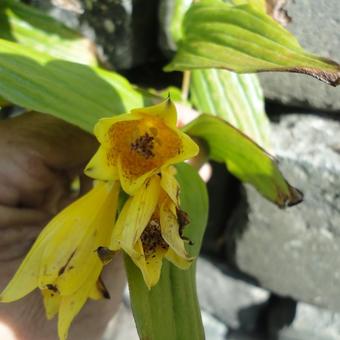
[
  {"x": 62, "y": 269},
  {"x": 52, "y": 288},
  {"x": 102, "y": 288},
  {"x": 152, "y": 238},
  {"x": 183, "y": 220},
  {"x": 105, "y": 254}
]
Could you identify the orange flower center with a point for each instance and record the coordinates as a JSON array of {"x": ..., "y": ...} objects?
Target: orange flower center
[{"x": 142, "y": 145}]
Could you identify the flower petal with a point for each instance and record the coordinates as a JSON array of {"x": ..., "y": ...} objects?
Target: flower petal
[
  {"x": 26, "y": 277},
  {"x": 131, "y": 184},
  {"x": 169, "y": 183},
  {"x": 99, "y": 291},
  {"x": 150, "y": 267},
  {"x": 178, "y": 261},
  {"x": 71, "y": 305},
  {"x": 86, "y": 256},
  {"x": 71, "y": 255},
  {"x": 135, "y": 216},
  {"x": 103, "y": 126},
  {"x": 99, "y": 168},
  {"x": 170, "y": 228},
  {"x": 51, "y": 303},
  {"x": 165, "y": 110},
  {"x": 189, "y": 149}
]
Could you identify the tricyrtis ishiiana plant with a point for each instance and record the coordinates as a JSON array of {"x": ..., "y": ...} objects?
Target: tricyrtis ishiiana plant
[
  {"x": 137, "y": 154},
  {"x": 160, "y": 223}
]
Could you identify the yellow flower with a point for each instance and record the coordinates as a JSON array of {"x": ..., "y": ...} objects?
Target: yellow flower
[
  {"x": 136, "y": 145},
  {"x": 150, "y": 226},
  {"x": 63, "y": 263}
]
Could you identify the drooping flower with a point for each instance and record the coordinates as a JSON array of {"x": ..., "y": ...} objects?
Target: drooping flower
[
  {"x": 150, "y": 225},
  {"x": 135, "y": 146},
  {"x": 63, "y": 263}
]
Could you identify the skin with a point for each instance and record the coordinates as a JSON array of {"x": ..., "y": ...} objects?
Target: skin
[{"x": 39, "y": 157}]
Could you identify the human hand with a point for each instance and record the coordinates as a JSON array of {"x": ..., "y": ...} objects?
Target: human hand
[{"x": 39, "y": 157}]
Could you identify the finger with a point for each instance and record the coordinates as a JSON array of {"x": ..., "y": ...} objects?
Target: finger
[
  {"x": 57, "y": 193},
  {"x": 15, "y": 242},
  {"x": 17, "y": 217},
  {"x": 9, "y": 195},
  {"x": 86, "y": 184}
]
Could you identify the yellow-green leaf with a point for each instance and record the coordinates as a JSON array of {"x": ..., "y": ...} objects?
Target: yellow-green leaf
[
  {"x": 245, "y": 40},
  {"x": 259, "y": 4},
  {"x": 34, "y": 29},
  {"x": 79, "y": 94},
  {"x": 245, "y": 159},
  {"x": 236, "y": 98}
]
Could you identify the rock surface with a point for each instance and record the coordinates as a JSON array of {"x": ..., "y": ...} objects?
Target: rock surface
[
  {"x": 312, "y": 323},
  {"x": 124, "y": 38},
  {"x": 232, "y": 301},
  {"x": 295, "y": 252},
  {"x": 316, "y": 24}
]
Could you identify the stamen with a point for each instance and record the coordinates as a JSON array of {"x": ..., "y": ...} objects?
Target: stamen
[
  {"x": 144, "y": 146},
  {"x": 152, "y": 238}
]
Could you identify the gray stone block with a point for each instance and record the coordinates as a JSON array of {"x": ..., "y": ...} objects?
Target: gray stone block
[
  {"x": 232, "y": 301},
  {"x": 125, "y": 38},
  {"x": 122, "y": 326},
  {"x": 295, "y": 252},
  {"x": 316, "y": 24},
  {"x": 312, "y": 323}
]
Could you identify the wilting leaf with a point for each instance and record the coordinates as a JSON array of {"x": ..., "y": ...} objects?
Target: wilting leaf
[
  {"x": 245, "y": 40},
  {"x": 245, "y": 159},
  {"x": 275, "y": 8},
  {"x": 77, "y": 93},
  {"x": 34, "y": 29},
  {"x": 170, "y": 310},
  {"x": 236, "y": 98}
]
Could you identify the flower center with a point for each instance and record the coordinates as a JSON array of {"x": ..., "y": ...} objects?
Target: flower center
[
  {"x": 144, "y": 145},
  {"x": 152, "y": 238},
  {"x": 141, "y": 145}
]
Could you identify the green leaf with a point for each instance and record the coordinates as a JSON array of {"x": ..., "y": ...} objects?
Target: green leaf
[
  {"x": 170, "y": 310},
  {"x": 245, "y": 159},
  {"x": 245, "y": 40},
  {"x": 34, "y": 29},
  {"x": 236, "y": 98},
  {"x": 259, "y": 4},
  {"x": 79, "y": 94}
]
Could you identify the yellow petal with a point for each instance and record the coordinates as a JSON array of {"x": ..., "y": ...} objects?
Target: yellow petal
[
  {"x": 165, "y": 110},
  {"x": 131, "y": 184},
  {"x": 178, "y": 261},
  {"x": 51, "y": 303},
  {"x": 86, "y": 256},
  {"x": 135, "y": 216},
  {"x": 189, "y": 149},
  {"x": 103, "y": 126},
  {"x": 70, "y": 255},
  {"x": 169, "y": 183},
  {"x": 99, "y": 168},
  {"x": 26, "y": 277},
  {"x": 71, "y": 305},
  {"x": 150, "y": 267},
  {"x": 170, "y": 228},
  {"x": 99, "y": 291}
]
